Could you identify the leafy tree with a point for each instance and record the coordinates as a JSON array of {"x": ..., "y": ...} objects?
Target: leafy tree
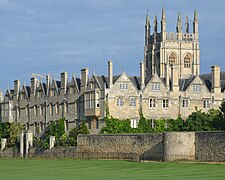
[
  {"x": 145, "y": 125},
  {"x": 175, "y": 124},
  {"x": 14, "y": 130},
  {"x": 199, "y": 121}
]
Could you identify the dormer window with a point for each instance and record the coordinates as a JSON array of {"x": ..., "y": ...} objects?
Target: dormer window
[
  {"x": 123, "y": 86},
  {"x": 197, "y": 88},
  {"x": 156, "y": 87}
]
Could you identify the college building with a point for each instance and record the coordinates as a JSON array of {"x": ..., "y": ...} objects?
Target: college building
[{"x": 169, "y": 85}]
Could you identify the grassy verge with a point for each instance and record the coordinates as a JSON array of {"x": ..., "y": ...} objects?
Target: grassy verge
[{"x": 100, "y": 169}]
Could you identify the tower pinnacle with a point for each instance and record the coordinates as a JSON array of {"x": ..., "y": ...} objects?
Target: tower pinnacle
[
  {"x": 187, "y": 25},
  {"x": 179, "y": 24},
  {"x": 155, "y": 24}
]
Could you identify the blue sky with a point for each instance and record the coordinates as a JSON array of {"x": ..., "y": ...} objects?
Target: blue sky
[{"x": 52, "y": 36}]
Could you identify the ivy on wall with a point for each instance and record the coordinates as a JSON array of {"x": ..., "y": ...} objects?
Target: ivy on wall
[{"x": 213, "y": 120}]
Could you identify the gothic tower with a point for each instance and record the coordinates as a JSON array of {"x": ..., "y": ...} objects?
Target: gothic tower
[{"x": 172, "y": 48}]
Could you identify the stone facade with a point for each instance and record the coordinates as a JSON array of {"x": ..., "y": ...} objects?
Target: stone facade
[{"x": 169, "y": 85}]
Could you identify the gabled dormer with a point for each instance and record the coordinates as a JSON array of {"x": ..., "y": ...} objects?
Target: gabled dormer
[
  {"x": 93, "y": 83},
  {"x": 73, "y": 86},
  {"x": 124, "y": 83},
  {"x": 25, "y": 92},
  {"x": 40, "y": 92},
  {"x": 155, "y": 85},
  {"x": 196, "y": 86},
  {"x": 54, "y": 88},
  {"x": 8, "y": 95}
]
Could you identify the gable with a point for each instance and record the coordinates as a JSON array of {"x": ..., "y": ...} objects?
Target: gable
[
  {"x": 73, "y": 85},
  {"x": 124, "y": 82},
  {"x": 155, "y": 84},
  {"x": 197, "y": 85},
  {"x": 93, "y": 83}
]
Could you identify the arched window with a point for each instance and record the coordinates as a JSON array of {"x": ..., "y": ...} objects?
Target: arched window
[
  {"x": 172, "y": 59},
  {"x": 187, "y": 61}
]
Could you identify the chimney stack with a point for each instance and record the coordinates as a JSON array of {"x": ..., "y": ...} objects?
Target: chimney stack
[
  {"x": 33, "y": 82},
  {"x": 64, "y": 81},
  {"x": 47, "y": 84},
  {"x": 168, "y": 76},
  {"x": 174, "y": 78},
  {"x": 110, "y": 73},
  {"x": 142, "y": 75},
  {"x": 216, "y": 88},
  {"x": 16, "y": 88},
  {"x": 84, "y": 78}
]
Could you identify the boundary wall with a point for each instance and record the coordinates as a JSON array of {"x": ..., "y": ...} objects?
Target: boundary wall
[{"x": 169, "y": 146}]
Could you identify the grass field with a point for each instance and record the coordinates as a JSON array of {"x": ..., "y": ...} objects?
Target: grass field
[{"x": 102, "y": 169}]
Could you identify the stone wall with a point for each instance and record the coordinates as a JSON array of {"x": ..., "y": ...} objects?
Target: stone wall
[
  {"x": 169, "y": 146},
  {"x": 147, "y": 146},
  {"x": 9, "y": 153},
  {"x": 210, "y": 146},
  {"x": 179, "y": 146},
  {"x": 55, "y": 152}
]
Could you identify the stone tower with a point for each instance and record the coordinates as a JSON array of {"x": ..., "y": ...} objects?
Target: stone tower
[{"x": 171, "y": 48}]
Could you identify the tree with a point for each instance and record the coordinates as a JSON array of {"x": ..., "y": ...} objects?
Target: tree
[
  {"x": 15, "y": 130},
  {"x": 199, "y": 121}
]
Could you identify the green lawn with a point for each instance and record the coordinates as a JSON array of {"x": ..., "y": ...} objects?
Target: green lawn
[{"x": 103, "y": 169}]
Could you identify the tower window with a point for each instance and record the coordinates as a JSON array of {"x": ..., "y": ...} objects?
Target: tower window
[
  {"x": 172, "y": 59},
  {"x": 187, "y": 61}
]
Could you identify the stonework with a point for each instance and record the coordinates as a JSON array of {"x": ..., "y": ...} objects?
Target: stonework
[
  {"x": 179, "y": 146},
  {"x": 210, "y": 146},
  {"x": 169, "y": 85},
  {"x": 147, "y": 145}
]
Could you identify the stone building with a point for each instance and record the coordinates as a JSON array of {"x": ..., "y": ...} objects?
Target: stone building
[{"x": 169, "y": 84}]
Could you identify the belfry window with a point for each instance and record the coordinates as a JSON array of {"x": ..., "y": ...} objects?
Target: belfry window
[
  {"x": 172, "y": 59},
  {"x": 187, "y": 61}
]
